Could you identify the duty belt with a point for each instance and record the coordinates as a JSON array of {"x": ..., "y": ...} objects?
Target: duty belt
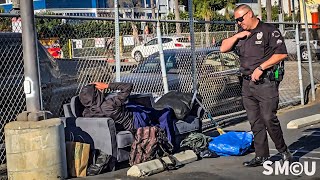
[{"x": 266, "y": 74}]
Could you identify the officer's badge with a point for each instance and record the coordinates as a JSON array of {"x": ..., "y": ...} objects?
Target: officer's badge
[{"x": 259, "y": 35}]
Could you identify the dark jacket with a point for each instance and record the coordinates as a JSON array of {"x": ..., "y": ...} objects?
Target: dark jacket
[{"x": 98, "y": 104}]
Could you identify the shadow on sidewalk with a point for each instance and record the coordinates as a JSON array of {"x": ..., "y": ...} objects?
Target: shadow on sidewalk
[{"x": 303, "y": 145}]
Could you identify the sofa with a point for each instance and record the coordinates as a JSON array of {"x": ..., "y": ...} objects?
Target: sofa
[{"x": 101, "y": 132}]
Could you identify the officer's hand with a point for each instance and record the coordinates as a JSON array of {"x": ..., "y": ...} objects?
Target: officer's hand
[
  {"x": 243, "y": 34},
  {"x": 256, "y": 75}
]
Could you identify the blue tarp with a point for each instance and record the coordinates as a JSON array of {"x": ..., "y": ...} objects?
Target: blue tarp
[{"x": 231, "y": 143}]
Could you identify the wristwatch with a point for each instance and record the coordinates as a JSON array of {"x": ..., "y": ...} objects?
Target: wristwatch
[{"x": 260, "y": 68}]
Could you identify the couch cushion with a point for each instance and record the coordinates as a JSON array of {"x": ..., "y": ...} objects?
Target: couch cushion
[
  {"x": 189, "y": 124},
  {"x": 124, "y": 139},
  {"x": 76, "y": 106},
  {"x": 102, "y": 132}
]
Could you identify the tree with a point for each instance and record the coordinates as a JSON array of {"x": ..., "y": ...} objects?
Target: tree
[
  {"x": 132, "y": 4},
  {"x": 5, "y": 22},
  {"x": 274, "y": 12},
  {"x": 177, "y": 16},
  {"x": 230, "y": 5},
  {"x": 204, "y": 9}
]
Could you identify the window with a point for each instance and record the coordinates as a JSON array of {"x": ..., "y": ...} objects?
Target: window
[
  {"x": 152, "y": 64},
  {"x": 152, "y": 42},
  {"x": 222, "y": 61},
  {"x": 213, "y": 57},
  {"x": 290, "y": 35},
  {"x": 166, "y": 40},
  {"x": 230, "y": 61}
]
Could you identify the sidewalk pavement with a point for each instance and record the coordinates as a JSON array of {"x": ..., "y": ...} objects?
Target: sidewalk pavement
[{"x": 304, "y": 143}]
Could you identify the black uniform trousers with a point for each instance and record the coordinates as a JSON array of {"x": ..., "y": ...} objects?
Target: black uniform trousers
[{"x": 261, "y": 103}]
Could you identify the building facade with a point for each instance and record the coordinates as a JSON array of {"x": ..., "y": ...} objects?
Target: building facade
[{"x": 93, "y": 7}]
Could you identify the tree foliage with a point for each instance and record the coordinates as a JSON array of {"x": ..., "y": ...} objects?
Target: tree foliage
[{"x": 275, "y": 14}]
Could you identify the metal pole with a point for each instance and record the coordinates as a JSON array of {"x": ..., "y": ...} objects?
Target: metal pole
[
  {"x": 30, "y": 57},
  {"x": 299, "y": 65},
  {"x": 201, "y": 39},
  {"x": 293, "y": 13},
  {"x": 162, "y": 62},
  {"x": 193, "y": 56},
  {"x": 313, "y": 92},
  {"x": 259, "y": 9},
  {"x": 168, "y": 7},
  {"x": 281, "y": 26},
  {"x": 117, "y": 39}
]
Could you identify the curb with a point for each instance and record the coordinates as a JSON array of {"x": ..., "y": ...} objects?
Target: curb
[{"x": 305, "y": 121}]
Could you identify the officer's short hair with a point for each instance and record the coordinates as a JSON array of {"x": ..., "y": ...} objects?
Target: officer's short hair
[{"x": 243, "y": 6}]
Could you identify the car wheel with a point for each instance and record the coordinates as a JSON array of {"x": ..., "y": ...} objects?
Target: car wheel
[
  {"x": 304, "y": 54},
  {"x": 138, "y": 56}
]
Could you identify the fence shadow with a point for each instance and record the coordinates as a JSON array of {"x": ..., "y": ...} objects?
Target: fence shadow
[{"x": 303, "y": 145}]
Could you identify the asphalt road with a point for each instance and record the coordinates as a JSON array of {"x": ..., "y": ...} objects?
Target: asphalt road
[{"x": 303, "y": 143}]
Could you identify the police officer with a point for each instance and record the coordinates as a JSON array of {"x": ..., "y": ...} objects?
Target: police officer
[{"x": 260, "y": 47}]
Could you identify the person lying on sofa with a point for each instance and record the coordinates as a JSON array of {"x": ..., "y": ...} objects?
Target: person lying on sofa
[{"x": 126, "y": 116}]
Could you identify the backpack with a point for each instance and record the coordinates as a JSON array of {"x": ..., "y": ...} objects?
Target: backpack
[{"x": 149, "y": 143}]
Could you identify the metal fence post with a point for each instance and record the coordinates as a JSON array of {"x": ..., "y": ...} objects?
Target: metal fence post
[
  {"x": 30, "y": 56},
  {"x": 299, "y": 64},
  {"x": 162, "y": 62},
  {"x": 313, "y": 92},
  {"x": 117, "y": 39},
  {"x": 201, "y": 39},
  {"x": 191, "y": 25}
]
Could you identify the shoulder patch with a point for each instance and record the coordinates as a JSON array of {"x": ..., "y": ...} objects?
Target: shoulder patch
[{"x": 276, "y": 34}]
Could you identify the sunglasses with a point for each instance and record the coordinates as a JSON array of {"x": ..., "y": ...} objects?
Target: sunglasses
[{"x": 240, "y": 19}]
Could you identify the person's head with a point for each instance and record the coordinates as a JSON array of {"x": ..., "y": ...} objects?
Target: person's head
[{"x": 245, "y": 17}]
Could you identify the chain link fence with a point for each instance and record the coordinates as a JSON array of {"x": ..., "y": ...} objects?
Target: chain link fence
[{"x": 74, "y": 52}]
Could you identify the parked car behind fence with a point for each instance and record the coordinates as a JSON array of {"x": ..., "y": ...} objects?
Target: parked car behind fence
[
  {"x": 290, "y": 42},
  {"x": 217, "y": 74},
  {"x": 168, "y": 42}
]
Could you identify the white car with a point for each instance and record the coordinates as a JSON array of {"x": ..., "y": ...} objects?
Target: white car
[
  {"x": 168, "y": 42},
  {"x": 290, "y": 42}
]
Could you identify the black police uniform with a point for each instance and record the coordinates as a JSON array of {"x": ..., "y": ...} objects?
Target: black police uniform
[{"x": 261, "y": 98}]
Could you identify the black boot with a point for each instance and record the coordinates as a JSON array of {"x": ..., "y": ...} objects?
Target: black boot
[
  {"x": 286, "y": 156},
  {"x": 257, "y": 161}
]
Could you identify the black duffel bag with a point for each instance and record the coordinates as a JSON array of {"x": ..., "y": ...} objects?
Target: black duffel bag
[{"x": 181, "y": 103}]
